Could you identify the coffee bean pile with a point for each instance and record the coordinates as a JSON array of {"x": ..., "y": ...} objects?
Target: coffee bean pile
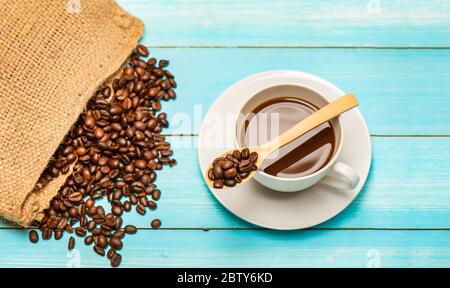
[
  {"x": 233, "y": 168},
  {"x": 112, "y": 152}
]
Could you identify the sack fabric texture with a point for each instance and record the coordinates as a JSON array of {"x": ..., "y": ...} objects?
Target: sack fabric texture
[{"x": 54, "y": 54}]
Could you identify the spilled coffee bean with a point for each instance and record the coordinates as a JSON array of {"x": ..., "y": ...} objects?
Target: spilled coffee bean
[
  {"x": 156, "y": 223},
  {"x": 113, "y": 151},
  {"x": 116, "y": 258},
  {"x": 34, "y": 237},
  {"x": 233, "y": 168},
  {"x": 71, "y": 244}
]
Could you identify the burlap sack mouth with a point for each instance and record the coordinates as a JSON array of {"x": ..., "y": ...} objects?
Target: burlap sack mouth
[{"x": 53, "y": 57}]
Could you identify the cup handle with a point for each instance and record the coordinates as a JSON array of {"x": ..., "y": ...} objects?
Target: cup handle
[{"x": 341, "y": 176}]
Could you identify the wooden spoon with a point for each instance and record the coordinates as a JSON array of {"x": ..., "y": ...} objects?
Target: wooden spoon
[{"x": 319, "y": 117}]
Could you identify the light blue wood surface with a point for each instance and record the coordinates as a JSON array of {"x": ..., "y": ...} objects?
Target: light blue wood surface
[
  {"x": 231, "y": 248},
  {"x": 400, "y": 91},
  {"x": 402, "y": 216},
  {"x": 294, "y": 23},
  {"x": 408, "y": 187}
]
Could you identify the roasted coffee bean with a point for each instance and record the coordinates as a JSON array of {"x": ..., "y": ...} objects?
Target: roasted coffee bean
[
  {"x": 75, "y": 197},
  {"x": 99, "y": 250},
  {"x": 229, "y": 182},
  {"x": 151, "y": 61},
  {"x": 96, "y": 232},
  {"x": 91, "y": 225},
  {"x": 113, "y": 151},
  {"x": 58, "y": 234},
  {"x": 34, "y": 237},
  {"x": 152, "y": 205},
  {"x": 230, "y": 157},
  {"x": 163, "y": 63},
  {"x": 127, "y": 206},
  {"x": 233, "y": 168},
  {"x": 89, "y": 240},
  {"x": 80, "y": 231},
  {"x": 143, "y": 200},
  {"x": 140, "y": 209},
  {"x": 130, "y": 229},
  {"x": 237, "y": 154},
  {"x": 127, "y": 104},
  {"x": 46, "y": 234},
  {"x": 156, "y": 194},
  {"x": 217, "y": 171},
  {"x": 128, "y": 72},
  {"x": 92, "y": 211},
  {"x": 253, "y": 157},
  {"x": 116, "y": 259},
  {"x": 119, "y": 234},
  {"x": 211, "y": 174},
  {"x": 101, "y": 241},
  {"x": 244, "y": 163},
  {"x": 81, "y": 151},
  {"x": 69, "y": 229},
  {"x": 244, "y": 175},
  {"x": 117, "y": 210},
  {"x": 156, "y": 223},
  {"x": 133, "y": 199},
  {"x": 140, "y": 164},
  {"x": 89, "y": 121},
  {"x": 111, "y": 253},
  {"x": 218, "y": 183},
  {"x": 107, "y": 92},
  {"x": 246, "y": 169},
  {"x": 245, "y": 153},
  {"x": 98, "y": 219},
  {"x": 227, "y": 165},
  {"x": 115, "y": 243},
  {"x": 230, "y": 173},
  {"x": 142, "y": 50},
  {"x": 67, "y": 150},
  {"x": 71, "y": 243}
]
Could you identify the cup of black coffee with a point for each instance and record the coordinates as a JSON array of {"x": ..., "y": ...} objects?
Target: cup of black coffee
[{"x": 307, "y": 160}]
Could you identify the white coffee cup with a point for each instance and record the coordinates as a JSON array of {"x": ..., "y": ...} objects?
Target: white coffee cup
[{"x": 334, "y": 173}]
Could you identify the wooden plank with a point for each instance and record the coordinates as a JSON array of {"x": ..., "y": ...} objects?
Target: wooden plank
[
  {"x": 400, "y": 91},
  {"x": 163, "y": 248},
  {"x": 408, "y": 187},
  {"x": 294, "y": 23}
]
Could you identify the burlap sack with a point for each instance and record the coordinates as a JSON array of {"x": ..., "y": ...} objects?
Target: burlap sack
[{"x": 53, "y": 56}]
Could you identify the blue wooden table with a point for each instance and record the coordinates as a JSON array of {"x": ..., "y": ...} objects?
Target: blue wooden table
[{"x": 394, "y": 55}]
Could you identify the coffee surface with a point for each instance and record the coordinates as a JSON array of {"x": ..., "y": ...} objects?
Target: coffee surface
[{"x": 303, "y": 156}]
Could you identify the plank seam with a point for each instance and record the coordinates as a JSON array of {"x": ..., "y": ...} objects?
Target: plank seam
[
  {"x": 265, "y": 229},
  {"x": 371, "y": 135},
  {"x": 298, "y": 47}
]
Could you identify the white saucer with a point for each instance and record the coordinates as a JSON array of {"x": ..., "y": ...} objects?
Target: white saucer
[{"x": 277, "y": 210}]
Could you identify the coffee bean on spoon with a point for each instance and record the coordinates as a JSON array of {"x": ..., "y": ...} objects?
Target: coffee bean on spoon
[
  {"x": 211, "y": 174},
  {"x": 230, "y": 173},
  {"x": 229, "y": 182},
  {"x": 233, "y": 168},
  {"x": 227, "y": 165},
  {"x": 245, "y": 153},
  {"x": 217, "y": 171},
  {"x": 253, "y": 157},
  {"x": 218, "y": 183}
]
